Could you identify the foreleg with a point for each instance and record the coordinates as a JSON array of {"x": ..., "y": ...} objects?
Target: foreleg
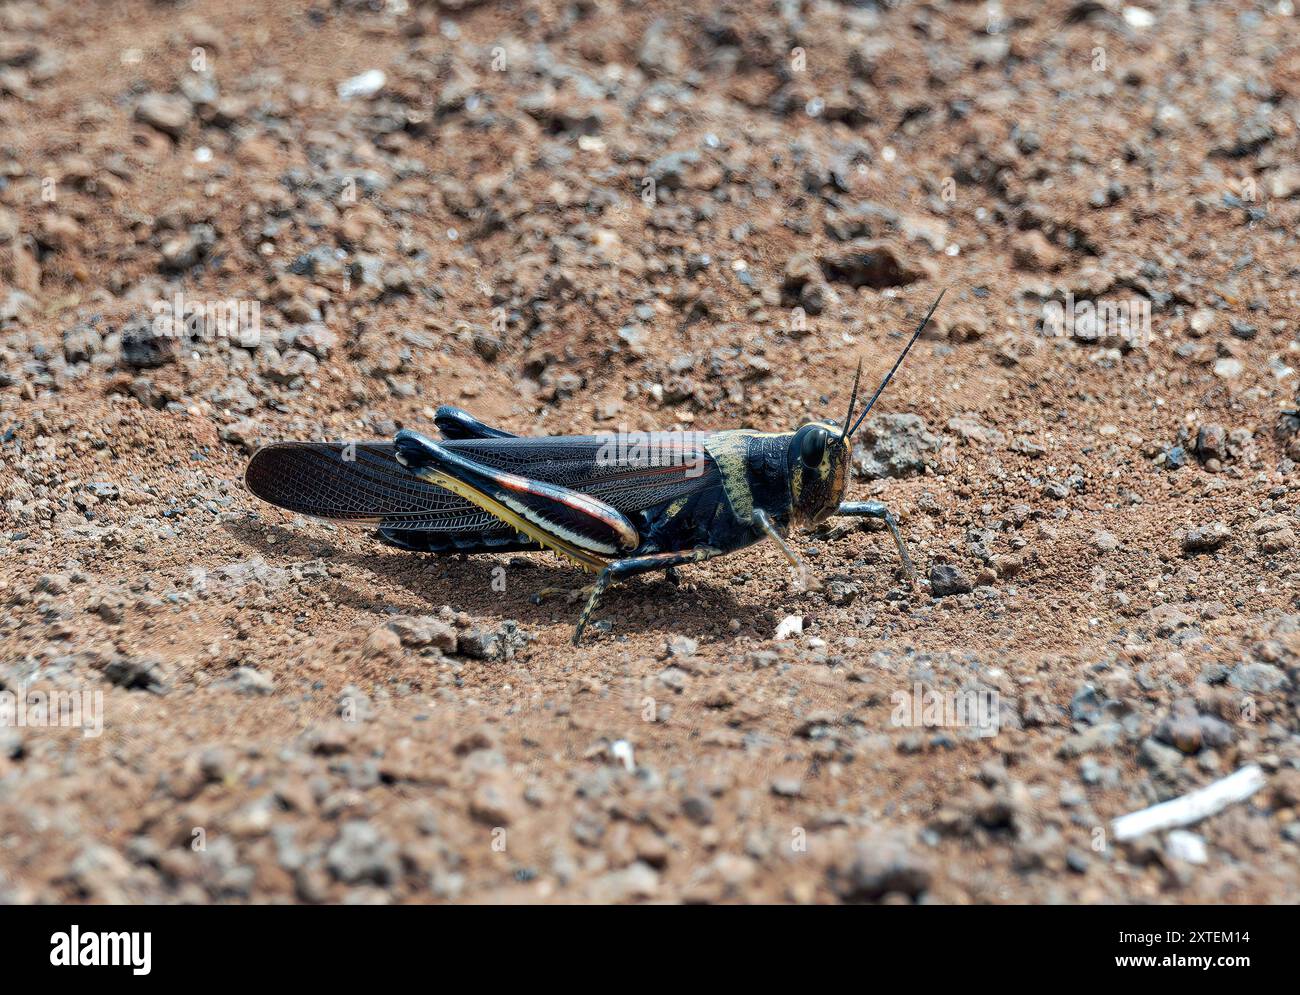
[{"x": 875, "y": 509}]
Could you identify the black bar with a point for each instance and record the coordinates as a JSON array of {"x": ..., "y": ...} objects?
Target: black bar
[{"x": 301, "y": 944}]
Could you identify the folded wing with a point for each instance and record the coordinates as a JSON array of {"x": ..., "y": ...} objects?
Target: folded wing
[{"x": 363, "y": 483}]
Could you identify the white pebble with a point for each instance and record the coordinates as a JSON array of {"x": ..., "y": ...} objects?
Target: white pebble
[
  {"x": 1227, "y": 367},
  {"x": 621, "y": 750},
  {"x": 366, "y": 85},
  {"x": 1138, "y": 17},
  {"x": 1186, "y": 846},
  {"x": 791, "y": 625}
]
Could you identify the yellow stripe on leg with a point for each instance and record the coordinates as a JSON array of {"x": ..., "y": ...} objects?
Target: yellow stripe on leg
[{"x": 584, "y": 559}]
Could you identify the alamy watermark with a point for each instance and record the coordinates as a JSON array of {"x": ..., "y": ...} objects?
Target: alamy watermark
[
  {"x": 82, "y": 710},
  {"x": 921, "y": 707},
  {"x": 99, "y": 948},
  {"x": 1103, "y": 320},
  {"x": 651, "y": 450},
  {"x": 235, "y": 319}
]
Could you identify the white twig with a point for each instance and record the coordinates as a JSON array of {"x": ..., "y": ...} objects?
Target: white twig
[{"x": 1190, "y": 809}]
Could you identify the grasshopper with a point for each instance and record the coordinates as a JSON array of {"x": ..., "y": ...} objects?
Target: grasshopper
[{"x": 663, "y": 500}]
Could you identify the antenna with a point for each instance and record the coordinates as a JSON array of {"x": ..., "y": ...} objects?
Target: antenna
[{"x": 897, "y": 363}]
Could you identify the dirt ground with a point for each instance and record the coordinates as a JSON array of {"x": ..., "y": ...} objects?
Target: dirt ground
[{"x": 567, "y": 217}]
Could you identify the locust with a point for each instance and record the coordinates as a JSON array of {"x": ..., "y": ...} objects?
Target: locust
[{"x": 660, "y": 501}]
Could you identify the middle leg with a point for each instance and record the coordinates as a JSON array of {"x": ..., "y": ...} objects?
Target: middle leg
[{"x": 764, "y": 522}]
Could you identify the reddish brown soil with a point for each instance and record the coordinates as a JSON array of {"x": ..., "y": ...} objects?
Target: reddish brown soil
[{"x": 348, "y": 762}]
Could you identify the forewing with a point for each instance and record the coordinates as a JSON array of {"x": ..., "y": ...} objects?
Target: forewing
[
  {"x": 631, "y": 472},
  {"x": 362, "y": 483}
]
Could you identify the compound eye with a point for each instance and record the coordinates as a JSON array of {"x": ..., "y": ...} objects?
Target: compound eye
[{"x": 813, "y": 447}]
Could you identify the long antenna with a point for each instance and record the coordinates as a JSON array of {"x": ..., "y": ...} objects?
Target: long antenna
[
  {"x": 853, "y": 399},
  {"x": 897, "y": 363}
]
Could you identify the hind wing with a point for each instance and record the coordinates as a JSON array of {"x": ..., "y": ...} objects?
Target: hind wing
[{"x": 359, "y": 483}]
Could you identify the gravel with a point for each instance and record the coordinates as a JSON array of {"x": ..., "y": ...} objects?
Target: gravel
[
  {"x": 946, "y": 580},
  {"x": 647, "y": 220}
]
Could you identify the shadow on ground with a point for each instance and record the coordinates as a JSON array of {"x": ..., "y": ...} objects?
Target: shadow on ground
[{"x": 465, "y": 583}]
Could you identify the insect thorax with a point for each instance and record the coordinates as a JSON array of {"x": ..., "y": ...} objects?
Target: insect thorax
[{"x": 754, "y": 472}]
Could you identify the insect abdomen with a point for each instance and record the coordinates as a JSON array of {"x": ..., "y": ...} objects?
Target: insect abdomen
[{"x": 458, "y": 542}]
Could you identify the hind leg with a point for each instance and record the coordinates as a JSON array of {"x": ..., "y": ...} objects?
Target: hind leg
[
  {"x": 574, "y": 524},
  {"x": 454, "y": 423}
]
